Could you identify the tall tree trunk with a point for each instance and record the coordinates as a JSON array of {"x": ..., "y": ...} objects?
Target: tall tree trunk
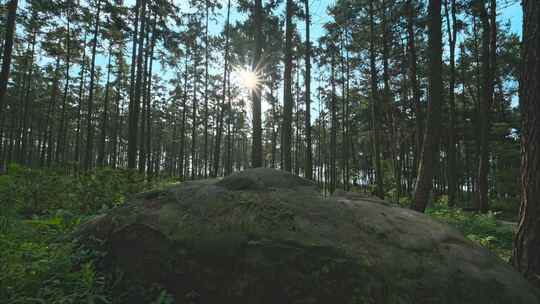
[
  {"x": 221, "y": 107},
  {"x": 430, "y": 149},
  {"x": 149, "y": 101},
  {"x": 47, "y": 145},
  {"x": 89, "y": 153},
  {"x": 346, "y": 118},
  {"x": 194, "y": 115},
  {"x": 62, "y": 132},
  {"x": 286, "y": 129},
  {"x": 230, "y": 134},
  {"x": 388, "y": 111},
  {"x": 77, "y": 154},
  {"x": 134, "y": 103},
  {"x": 6, "y": 60},
  {"x": 23, "y": 159},
  {"x": 525, "y": 255},
  {"x": 142, "y": 125},
  {"x": 452, "y": 36},
  {"x": 117, "y": 123},
  {"x": 104, "y": 116},
  {"x": 333, "y": 126},
  {"x": 206, "y": 76},
  {"x": 256, "y": 148},
  {"x": 413, "y": 78},
  {"x": 308, "y": 167},
  {"x": 481, "y": 198},
  {"x": 181, "y": 168},
  {"x": 375, "y": 106}
]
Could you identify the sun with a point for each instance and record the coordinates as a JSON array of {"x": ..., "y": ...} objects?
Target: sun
[{"x": 246, "y": 78}]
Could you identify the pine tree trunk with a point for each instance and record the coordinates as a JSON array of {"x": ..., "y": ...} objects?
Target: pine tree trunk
[
  {"x": 142, "y": 135},
  {"x": 78, "y": 136},
  {"x": 149, "y": 101},
  {"x": 117, "y": 123},
  {"x": 104, "y": 116},
  {"x": 308, "y": 167},
  {"x": 256, "y": 152},
  {"x": 375, "y": 108},
  {"x": 221, "y": 104},
  {"x": 333, "y": 127},
  {"x": 525, "y": 257},
  {"x": 181, "y": 163},
  {"x": 286, "y": 129},
  {"x": 47, "y": 143},
  {"x": 206, "y": 76},
  {"x": 6, "y": 61},
  {"x": 89, "y": 153},
  {"x": 413, "y": 78},
  {"x": 452, "y": 36},
  {"x": 487, "y": 72},
  {"x": 23, "y": 159},
  {"x": 136, "y": 70},
  {"x": 430, "y": 149},
  {"x": 62, "y": 132},
  {"x": 194, "y": 120}
]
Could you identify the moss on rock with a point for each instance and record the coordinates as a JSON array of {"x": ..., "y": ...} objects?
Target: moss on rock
[{"x": 266, "y": 236}]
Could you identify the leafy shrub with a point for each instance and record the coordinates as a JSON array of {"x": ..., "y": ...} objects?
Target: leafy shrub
[
  {"x": 38, "y": 264},
  {"x": 483, "y": 229},
  {"x": 29, "y": 192},
  {"x": 39, "y": 209}
]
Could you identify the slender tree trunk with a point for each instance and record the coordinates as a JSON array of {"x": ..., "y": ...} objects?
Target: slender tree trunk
[
  {"x": 487, "y": 72},
  {"x": 206, "y": 76},
  {"x": 61, "y": 142},
  {"x": 117, "y": 123},
  {"x": 286, "y": 129},
  {"x": 525, "y": 257},
  {"x": 347, "y": 122},
  {"x": 308, "y": 167},
  {"x": 413, "y": 78},
  {"x": 183, "y": 125},
  {"x": 78, "y": 136},
  {"x": 430, "y": 149},
  {"x": 221, "y": 107},
  {"x": 104, "y": 115},
  {"x": 194, "y": 120},
  {"x": 149, "y": 101},
  {"x": 89, "y": 153},
  {"x": 232, "y": 120},
  {"x": 27, "y": 106},
  {"x": 134, "y": 103},
  {"x": 375, "y": 108},
  {"x": 256, "y": 147},
  {"x": 297, "y": 122},
  {"x": 6, "y": 61},
  {"x": 452, "y": 36},
  {"x": 142, "y": 125},
  {"x": 333, "y": 127},
  {"x": 47, "y": 145}
]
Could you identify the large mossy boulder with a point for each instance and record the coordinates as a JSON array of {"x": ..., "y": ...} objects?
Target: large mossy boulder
[{"x": 266, "y": 236}]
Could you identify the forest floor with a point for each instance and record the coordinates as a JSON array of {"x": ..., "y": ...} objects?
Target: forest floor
[{"x": 39, "y": 263}]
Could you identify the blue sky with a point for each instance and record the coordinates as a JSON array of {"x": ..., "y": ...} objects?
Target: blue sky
[{"x": 507, "y": 10}]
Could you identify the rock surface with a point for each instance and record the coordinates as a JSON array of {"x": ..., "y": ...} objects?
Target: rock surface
[{"x": 266, "y": 236}]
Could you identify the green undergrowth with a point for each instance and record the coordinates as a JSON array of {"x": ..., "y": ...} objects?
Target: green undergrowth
[
  {"x": 483, "y": 229},
  {"x": 39, "y": 209}
]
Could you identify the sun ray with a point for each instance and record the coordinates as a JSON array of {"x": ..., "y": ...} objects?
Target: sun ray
[{"x": 247, "y": 78}]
